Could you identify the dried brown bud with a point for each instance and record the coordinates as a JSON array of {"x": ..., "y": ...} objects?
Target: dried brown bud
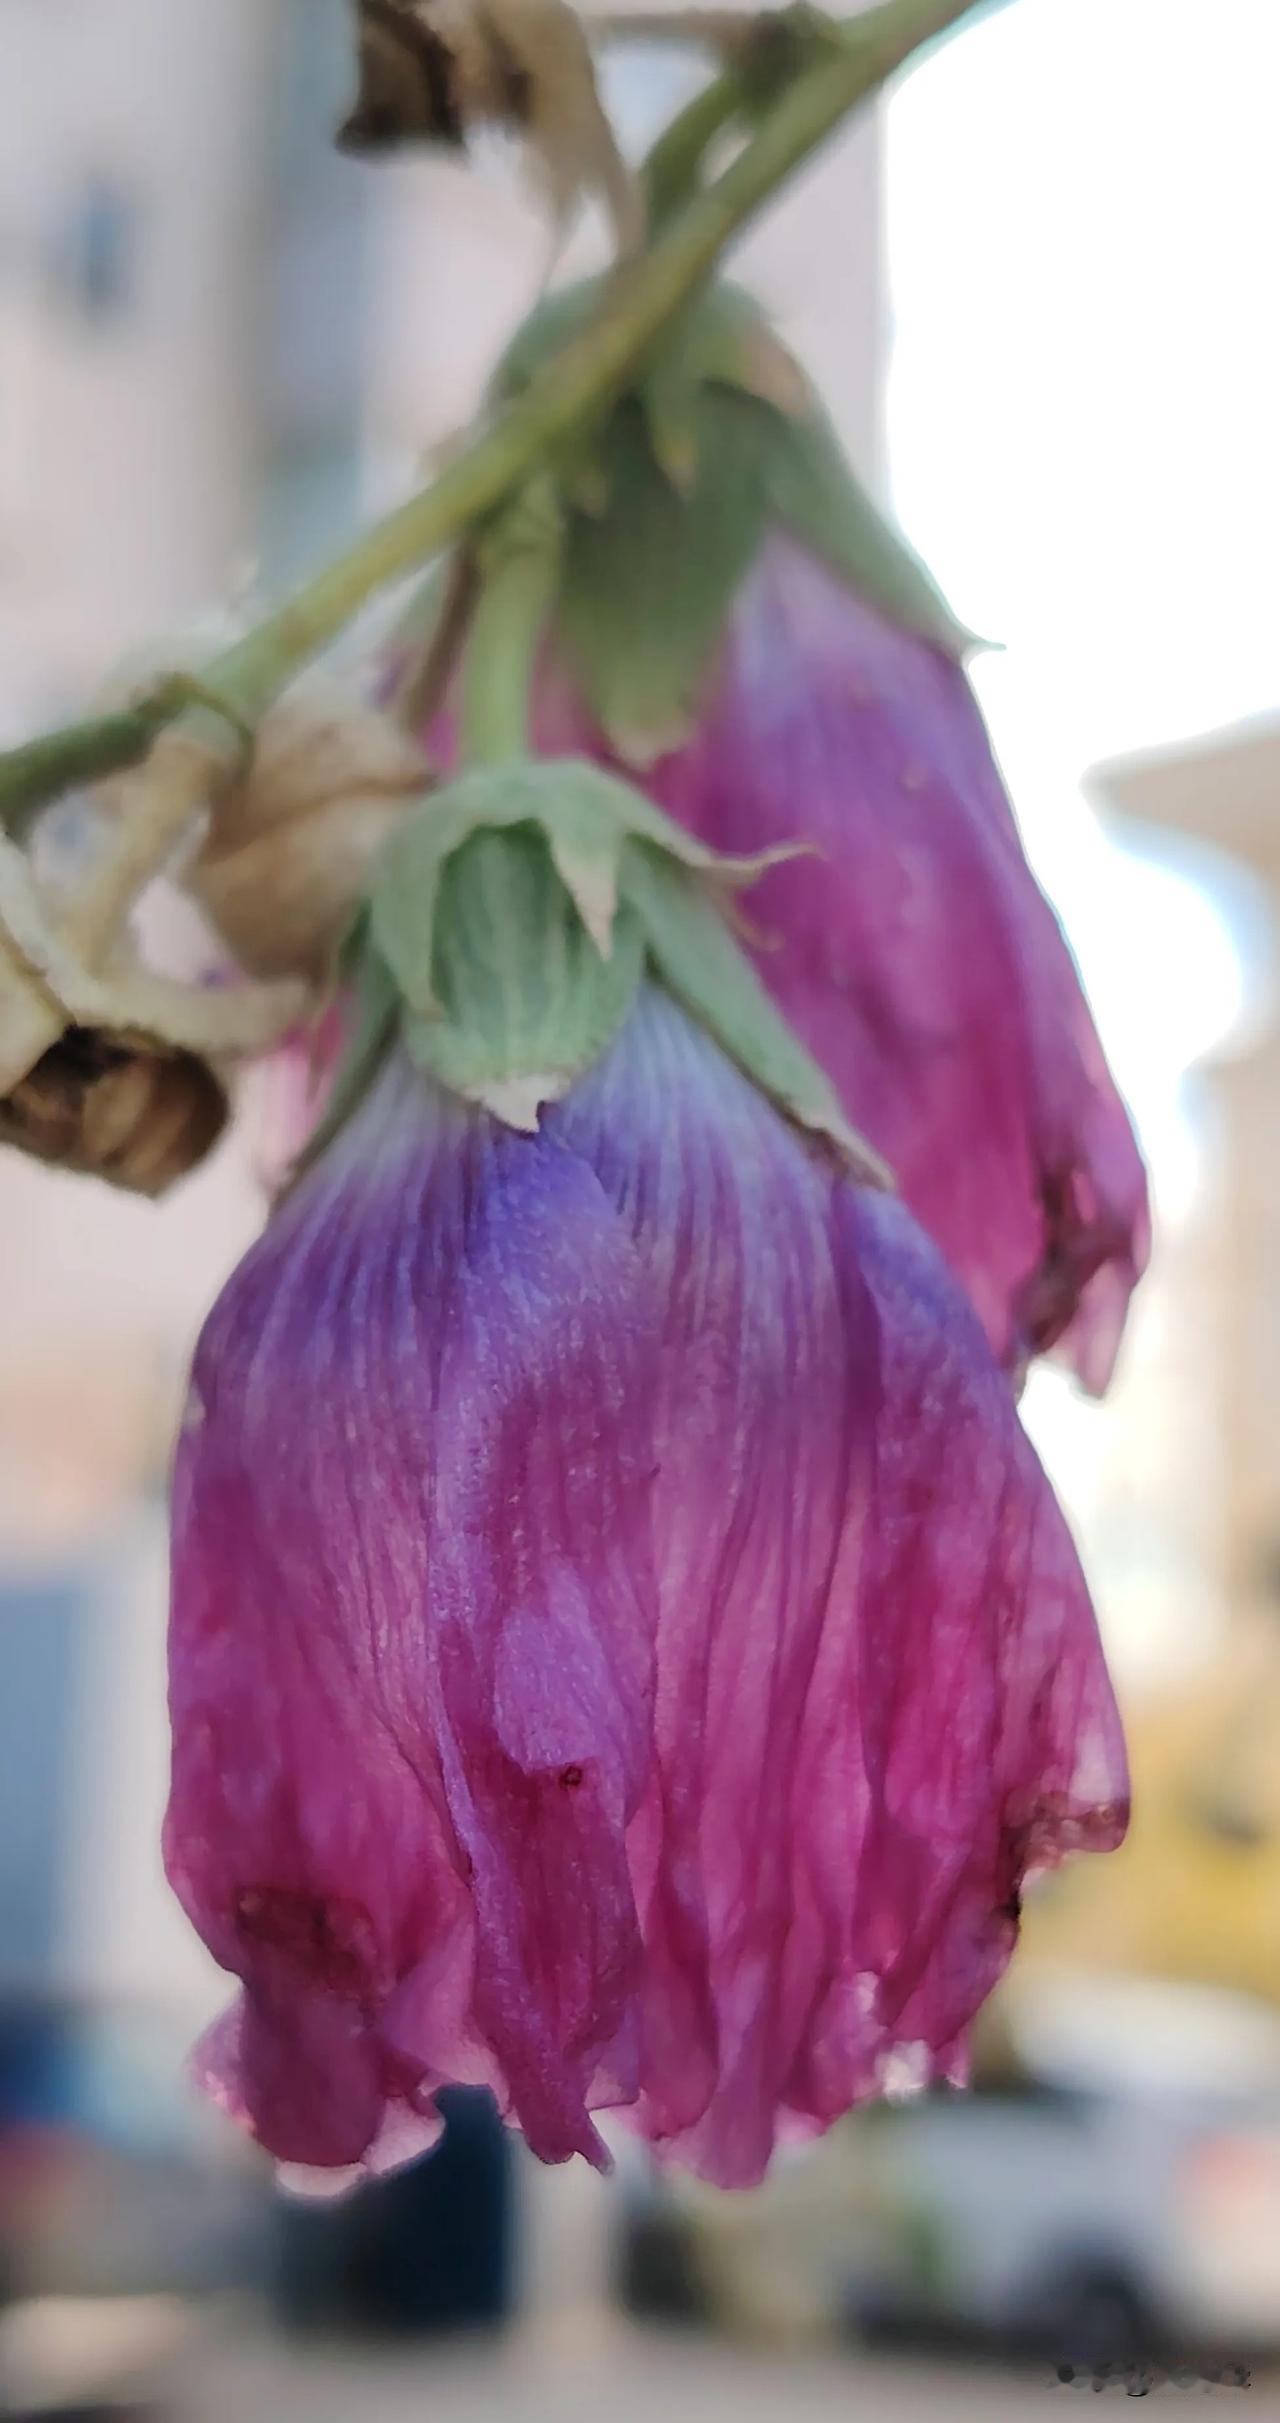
[
  {"x": 289, "y": 848},
  {"x": 119, "y": 1106},
  {"x": 408, "y": 82},
  {"x": 115, "y": 1073},
  {"x": 431, "y": 71}
]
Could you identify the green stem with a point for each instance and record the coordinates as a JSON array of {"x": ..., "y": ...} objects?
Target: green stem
[
  {"x": 37, "y": 772},
  {"x": 518, "y": 567},
  {"x": 672, "y": 168},
  {"x": 763, "y": 52},
  {"x": 579, "y": 383}
]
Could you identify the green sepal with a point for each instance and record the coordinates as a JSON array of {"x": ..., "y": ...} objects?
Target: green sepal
[
  {"x": 527, "y": 1000},
  {"x": 815, "y": 496},
  {"x": 374, "y": 1014},
  {"x": 665, "y": 513},
  {"x": 498, "y": 917},
  {"x": 716, "y": 441},
  {"x": 586, "y": 816},
  {"x": 547, "y": 329},
  {"x": 509, "y": 924},
  {"x": 723, "y": 341},
  {"x": 695, "y": 954},
  {"x": 647, "y": 585}
]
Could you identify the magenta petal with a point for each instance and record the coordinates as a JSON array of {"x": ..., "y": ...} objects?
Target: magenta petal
[
  {"x": 914, "y": 952},
  {"x": 413, "y": 1487},
  {"x": 881, "y": 1695},
  {"x": 624, "y": 1650}
]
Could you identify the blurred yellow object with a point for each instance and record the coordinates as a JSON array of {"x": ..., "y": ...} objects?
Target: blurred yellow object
[
  {"x": 770, "y": 2262},
  {"x": 1195, "y": 1891}
]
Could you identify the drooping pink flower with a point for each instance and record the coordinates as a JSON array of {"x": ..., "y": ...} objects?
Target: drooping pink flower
[
  {"x": 912, "y": 949},
  {"x": 737, "y": 627},
  {"x": 624, "y": 1650}
]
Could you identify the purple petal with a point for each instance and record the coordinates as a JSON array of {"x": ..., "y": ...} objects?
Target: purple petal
[
  {"x": 413, "y": 1623},
  {"x": 624, "y": 1649},
  {"x": 881, "y": 1696},
  {"x": 914, "y": 953}
]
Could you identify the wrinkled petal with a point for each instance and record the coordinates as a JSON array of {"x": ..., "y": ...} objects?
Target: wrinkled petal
[
  {"x": 624, "y": 1649},
  {"x": 913, "y": 950},
  {"x": 412, "y": 1633},
  {"x": 881, "y": 1696}
]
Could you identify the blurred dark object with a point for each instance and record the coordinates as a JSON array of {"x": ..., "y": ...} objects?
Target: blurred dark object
[
  {"x": 114, "y": 2181},
  {"x": 408, "y": 79},
  {"x": 659, "y": 2273},
  {"x": 96, "y": 256},
  {"x": 110, "y": 2411},
  {"x": 427, "y": 2250},
  {"x": 1226, "y": 1813}
]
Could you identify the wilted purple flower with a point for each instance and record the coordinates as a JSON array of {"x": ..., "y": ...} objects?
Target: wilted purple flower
[
  {"x": 624, "y": 1650},
  {"x": 913, "y": 951},
  {"x": 736, "y": 621}
]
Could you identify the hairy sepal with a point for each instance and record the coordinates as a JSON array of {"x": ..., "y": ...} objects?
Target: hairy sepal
[
  {"x": 716, "y": 442},
  {"x": 511, "y": 920}
]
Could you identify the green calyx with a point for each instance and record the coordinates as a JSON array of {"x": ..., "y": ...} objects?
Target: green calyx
[
  {"x": 509, "y": 925},
  {"x": 716, "y": 443}
]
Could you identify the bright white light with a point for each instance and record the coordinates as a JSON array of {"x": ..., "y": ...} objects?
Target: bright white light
[{"x": 1084, "y": 406}]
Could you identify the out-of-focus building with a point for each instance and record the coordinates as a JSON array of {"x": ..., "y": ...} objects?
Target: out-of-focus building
[
  {"x": 148, "y": 199},
  {"x": 1196, "y": 1889},
  {"x": 1223, "y": 792},
  {"x": 209, "y": 321},
  {"x": 221, "y": 346}
]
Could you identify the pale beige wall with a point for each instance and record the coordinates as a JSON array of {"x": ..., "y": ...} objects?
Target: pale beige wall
[
  {"x": 129, "y": 455},
  {"x": 128, "y": 463},
  {"x": 126, "y": 450},
  {"x": 127, "y": 500}
]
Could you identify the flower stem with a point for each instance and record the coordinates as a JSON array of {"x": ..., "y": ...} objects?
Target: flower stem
[
  {"x": 426, "y": 645},
  {"x": 518, "y": 564},
  {"x": 579, "y": 383},
  {"x": 672, "y": 169},
  {"x": 761, "y": 54},
  {"x": 79, "y": 753}
]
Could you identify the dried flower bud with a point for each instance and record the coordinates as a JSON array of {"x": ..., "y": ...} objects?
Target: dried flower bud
[
  {"x": 114, "y": 1073},
  {"x": 432, "y": 71},
  {"x": 122, "y": 1106},
  {"x": 288, "y": 849}
]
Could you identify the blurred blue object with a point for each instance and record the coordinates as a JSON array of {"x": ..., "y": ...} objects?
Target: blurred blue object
[
  {"x": 42, "y": 1631},
  {"x": 113, "y": 2179}
]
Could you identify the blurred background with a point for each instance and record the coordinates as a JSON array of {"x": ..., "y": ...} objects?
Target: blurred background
[{"x": 1035, "y": 293}]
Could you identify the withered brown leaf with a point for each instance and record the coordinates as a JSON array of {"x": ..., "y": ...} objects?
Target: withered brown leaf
[
  {"x": 408, "y": 82},
  {"x": 431, "y": 71}
]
